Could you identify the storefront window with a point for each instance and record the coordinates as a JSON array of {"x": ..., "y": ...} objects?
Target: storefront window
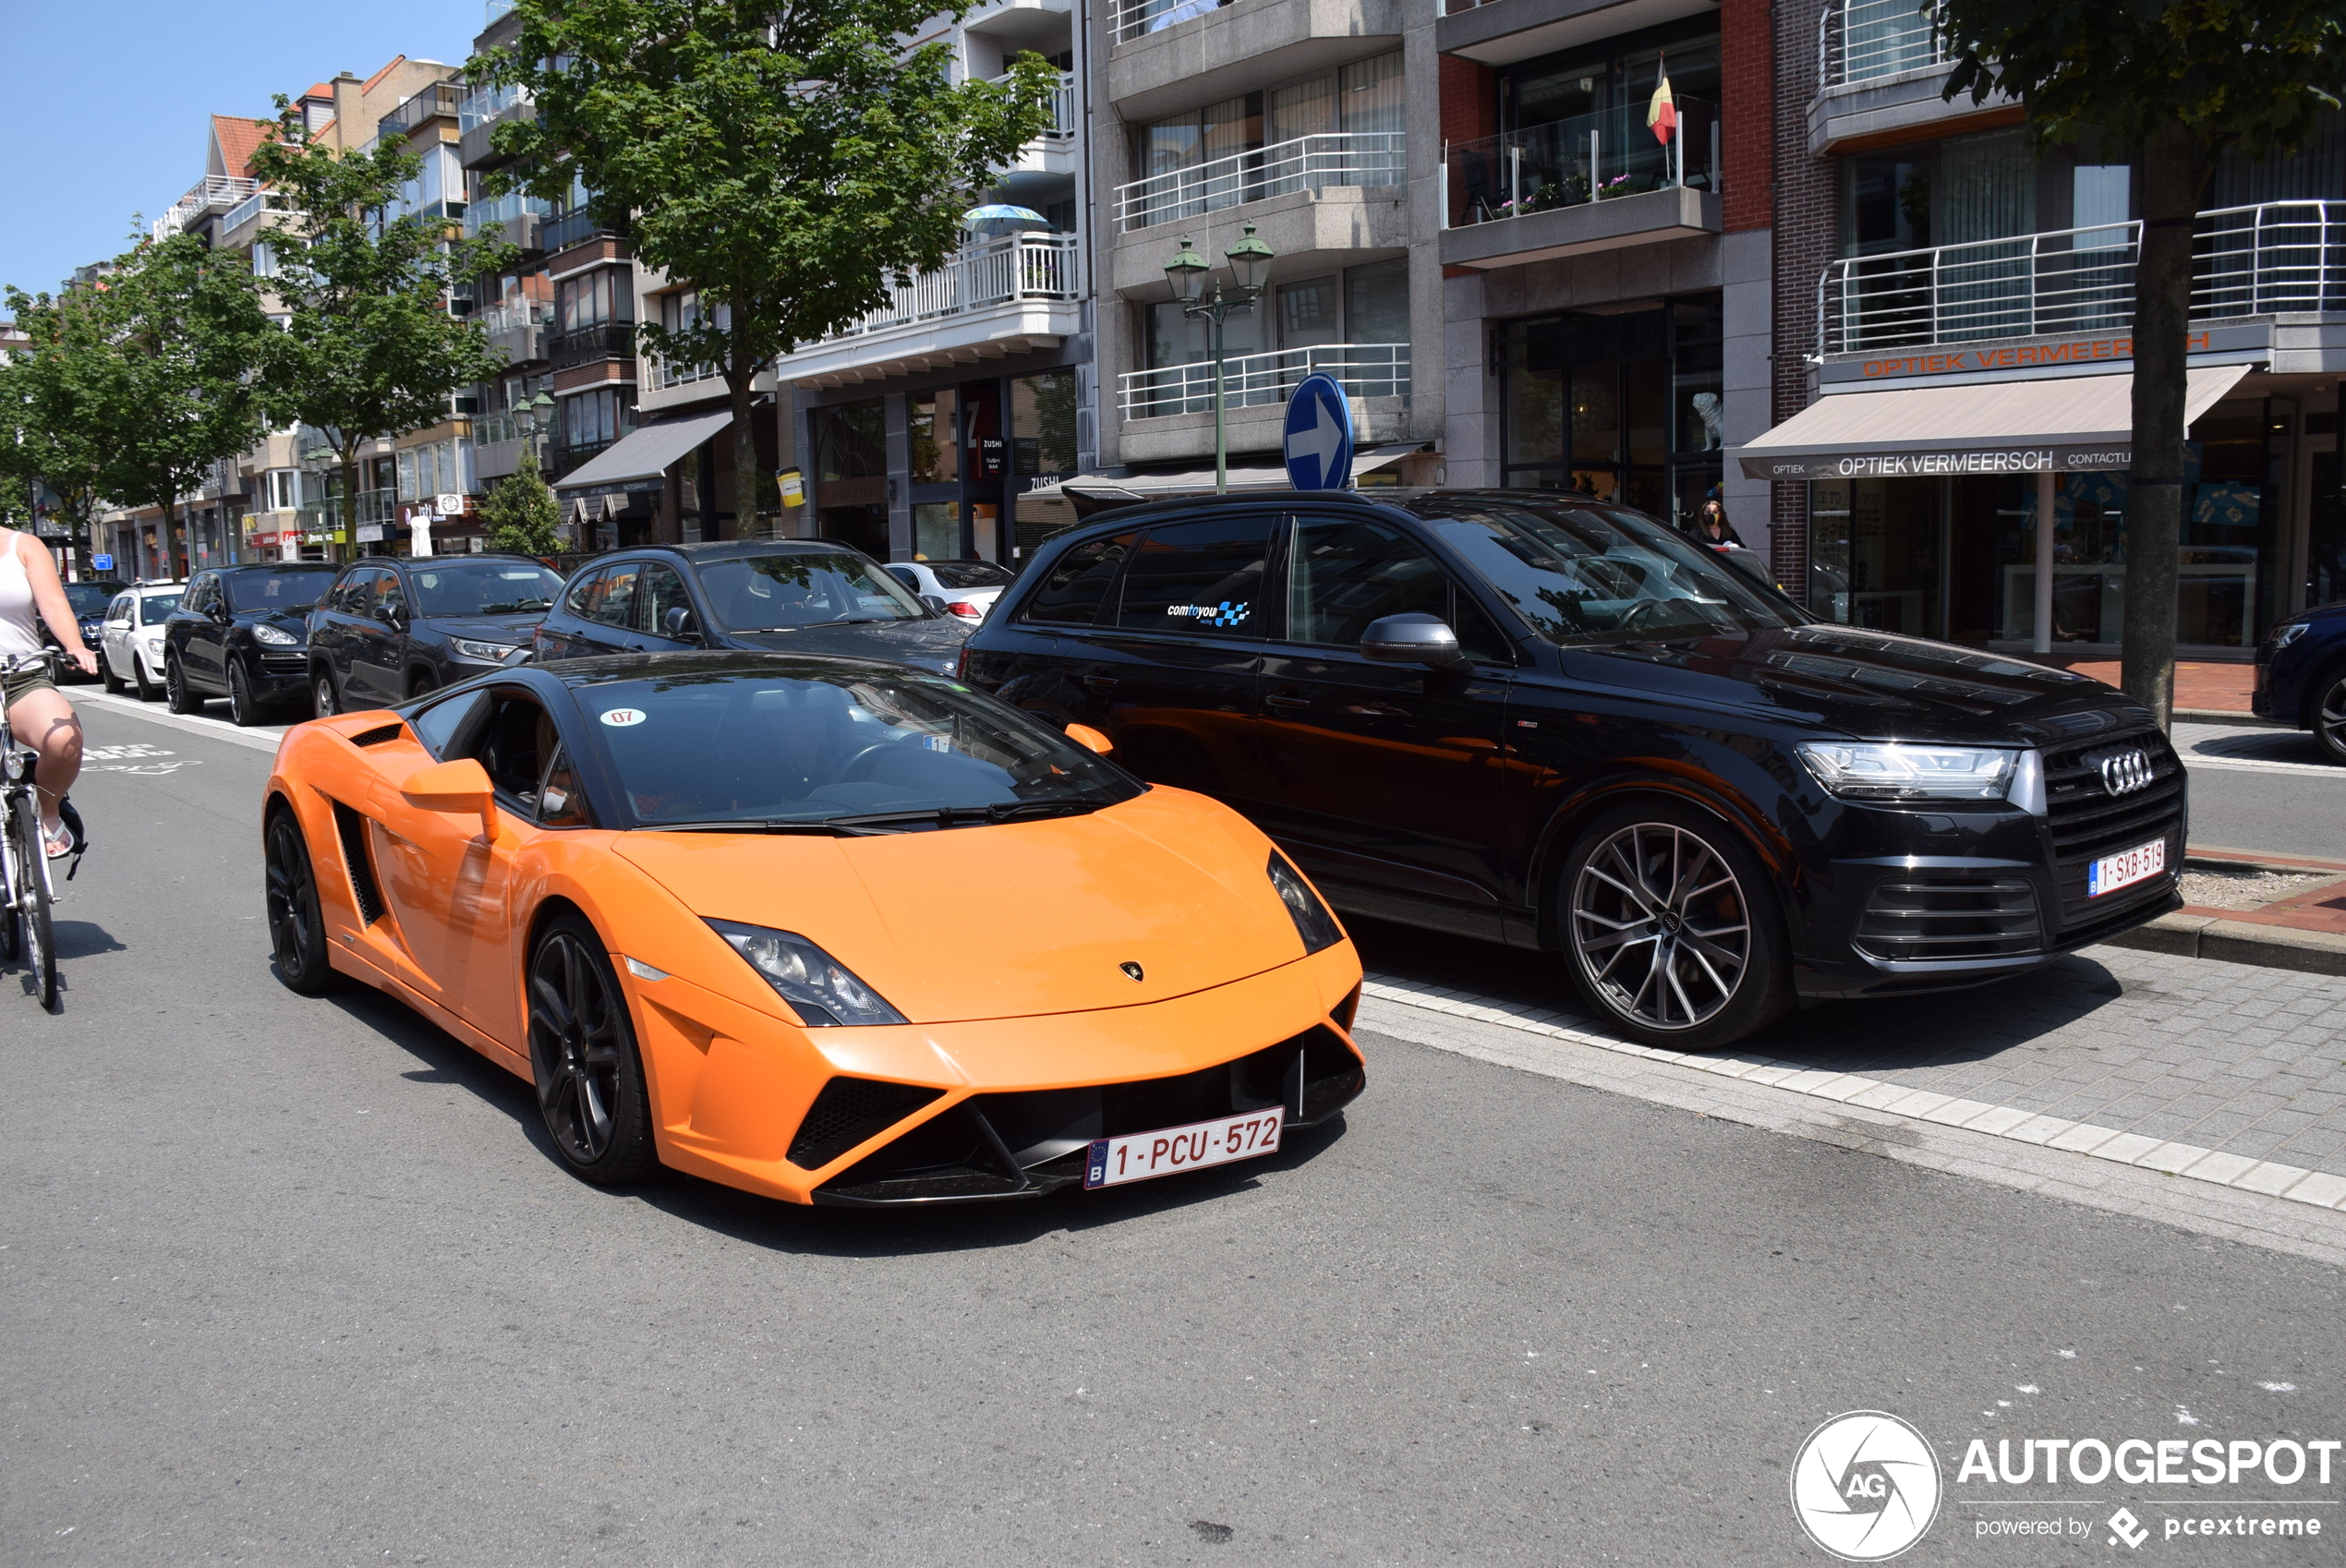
[
  {"x": 929, "y": 424},
  {"x": 937, "y": 531},
  {"x": 1043, "y": 423},
  {"x": 851, "y": 441}
]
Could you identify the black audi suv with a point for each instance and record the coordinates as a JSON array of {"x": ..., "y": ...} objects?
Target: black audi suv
[{"x": 1556, "y": 723}]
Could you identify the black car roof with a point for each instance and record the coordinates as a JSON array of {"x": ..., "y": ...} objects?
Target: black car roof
[
  {"x": 725, "y": 549},
  {"x": 239, "y": 571},
  {"x": 716, "y": 661},
  {"x": 1118, "y": 518},
  {"x": 417, "y": 562}
]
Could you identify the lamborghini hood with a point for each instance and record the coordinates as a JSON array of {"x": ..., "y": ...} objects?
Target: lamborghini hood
[{"x": 1010, "y": 921}]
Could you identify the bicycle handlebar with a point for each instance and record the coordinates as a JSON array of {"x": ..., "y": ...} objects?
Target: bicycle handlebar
[{"x": 45, "y": 660}]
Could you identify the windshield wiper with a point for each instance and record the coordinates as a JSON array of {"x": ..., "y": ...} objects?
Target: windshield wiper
[
  {"x": 826, "y": 827},
  {"x": 949, "y": 817}
]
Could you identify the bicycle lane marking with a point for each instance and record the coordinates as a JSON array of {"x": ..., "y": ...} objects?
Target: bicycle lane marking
[{"x": 259, "y": 738}]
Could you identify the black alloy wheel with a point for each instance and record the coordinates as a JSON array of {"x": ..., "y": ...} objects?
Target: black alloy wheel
[
  {"x": 297, "y": 929},
  {"x": 583, "y": 1058},
  {"x": 322, "y": 696},
  {"x": 244, "y": 708},
  {"x": 176, "y": 695},
  {"x": 32, "y": 906},
  {"x": 2330, "y": 715},
  {"x": 1671, "y": 927}
]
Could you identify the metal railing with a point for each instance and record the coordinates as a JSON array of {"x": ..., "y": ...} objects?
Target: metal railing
[
  {"x": 508, "y": 315},
  {"x": 998, "y": 271},
  {"x": 1063, "y": 124},
  {"x": 666, "y": 375},
  {"x": 506, "y": 210},
  {"x": 1586, "y": 158},
  {"x": 1305, "y": 162},
  {"x": 1132, "y": 18},
  {"x": 1864, "y": 40},
  {"x": 2257, "y": 260},
  {"x": 1365, "y": 369},
  {"x": 484, "y": 104},
  {"x": 601, "y": 339},
  {"x": 436, "y": 100},
  {"x": 324, "y": 516},
  {"x": 509, "y": 425},
  {"x": 209, "y": 194},
  {"x": 250, "y": 207},
  {"x": 571, "y": 228}
]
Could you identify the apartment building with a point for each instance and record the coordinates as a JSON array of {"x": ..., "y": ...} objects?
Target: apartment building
[{"x": 1952, "y": 369}]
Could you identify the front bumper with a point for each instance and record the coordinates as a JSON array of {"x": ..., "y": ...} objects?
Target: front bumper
[{"x": 279, "y": 672}]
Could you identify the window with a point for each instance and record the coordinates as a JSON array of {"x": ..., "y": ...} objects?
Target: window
[
  {"x": 610, "y": 599},
  {"x": 518, "y": 748},
  {"x": 851, "y": 441},
  {"x": 661, "y": 591},
  {"x": 120, "y": 608},
  {"x": 937, "y": 532},
  {"x": 1376, "y": 302},
  {"x": 934, "y": 448},
  {"x": 585, "y": 589},
  {"x": 391, "y": 595},
  {"x": 281, "y": 489},
  {"x": 1043, "y": 423},
  {"x": 1368, "y": 95},
  {"x": 1199, "y": 579},
  {"x": 1071, "y": 595},
  {"x": 438, "y": 725},
  {"x": 593, "y": 299},
  {"x": 1347, "y": 572},
  {"x": 592, "y": 420}
]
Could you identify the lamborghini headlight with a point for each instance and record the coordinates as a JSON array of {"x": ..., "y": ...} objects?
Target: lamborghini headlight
[
  {"x": 823, "y": 992},
  {"x": 1312, "y": 921}
]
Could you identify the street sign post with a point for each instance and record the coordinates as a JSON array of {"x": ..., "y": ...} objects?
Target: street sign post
[{"x": 1319, "y": 435}]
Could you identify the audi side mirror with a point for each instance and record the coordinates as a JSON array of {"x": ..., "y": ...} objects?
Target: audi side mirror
[
  {"x": 1415, "y": 638},
  {"x": 678, "y": 626}
]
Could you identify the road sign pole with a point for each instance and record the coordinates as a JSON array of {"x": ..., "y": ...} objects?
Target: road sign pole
[{"x": 1221, "y": 427}]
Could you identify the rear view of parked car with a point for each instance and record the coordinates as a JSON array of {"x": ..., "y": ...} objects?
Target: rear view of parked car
[
  {"x": 393, "y": 629},
  {"x": 1561, "y": 725},
  {"x": 967, "y": 587}
]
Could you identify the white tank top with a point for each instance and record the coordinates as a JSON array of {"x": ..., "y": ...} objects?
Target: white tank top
[{"x": 18, "y": 634}]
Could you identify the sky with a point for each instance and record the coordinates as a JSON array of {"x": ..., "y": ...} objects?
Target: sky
[{"x": 104, "y": 101}]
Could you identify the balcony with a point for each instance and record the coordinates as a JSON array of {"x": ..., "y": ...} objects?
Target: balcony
[
  {"x": 1593, "y": 182},
  {"x": 1168, "y": 413},
  {"x": 572, "y": 228},
  {"x": 246, "y": 213},
  {"x": 520, "y": 216},
  {"x": 604, "y": 340},
  {"x": 213, "y": 193},
  {"x": 440, "y": 99},
  {"x": 1004, "y": 296},
  {"x": 2274, "y": 259},
  {"x": 1499, "y": 32},
  {"x": 518, "y": 328},
  {"x": 1880, "y": 72},
  {"x": 1312, "y": 163},
  {"x": 1174, "y": 55},
  {"x": 479, "y": 115}
]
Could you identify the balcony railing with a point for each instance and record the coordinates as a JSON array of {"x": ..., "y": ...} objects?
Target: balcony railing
[
  {"x": 506, "y": 210},
  {"x": 604, "y": 340},
  {"x": 487, "y": 104},
  {"x": 998, "y": 271},
  {"x": 252, "y": 207},
  {"x": 1586, "y": 158},
  {"x": 1133, "y": 19},
  {"x": 324, "y": 516},
  {"x": 438, "y": 99},
  {"x": 1863, "y": 39},
  {"x": 1306, "y": 162},
  {"x": 2259, "y": 260},
  {"x": 211, "y": 193},
  {"x": 512, "y": 314},
  {"x": 1063, "y": 124},
  {"x": 1365, "y": 369},
  {"x": 667, "y": 375},
  {"x": 572, "y": 228}
]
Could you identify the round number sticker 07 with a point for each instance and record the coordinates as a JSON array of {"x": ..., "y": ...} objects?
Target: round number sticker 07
[{"x": 625, "y": 718}]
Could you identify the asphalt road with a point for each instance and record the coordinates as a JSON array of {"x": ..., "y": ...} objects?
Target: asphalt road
[{"x": 295, "y": 1281}]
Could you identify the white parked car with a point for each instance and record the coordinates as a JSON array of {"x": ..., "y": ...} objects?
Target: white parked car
[
  {"x": 130, "y": 644},
  {"x": 968, "y": 588}
]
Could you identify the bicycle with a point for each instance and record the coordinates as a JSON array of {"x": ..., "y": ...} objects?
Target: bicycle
[{"x": 26, "y": 890}]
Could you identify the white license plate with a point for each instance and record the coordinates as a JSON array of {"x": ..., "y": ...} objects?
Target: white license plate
[
  {"x": 2123, "y": 870},
  {"x": 1144, "y": 1154}
]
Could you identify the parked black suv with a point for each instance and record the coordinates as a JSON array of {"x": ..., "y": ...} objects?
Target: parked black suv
[
  {"x": 239, "y": 632},
  {"x": 790, "y": 595},
  {"x": 394, "y": 628},
  {"x": 89, "y": 599},
  {"x": 1562, "y": 725}
]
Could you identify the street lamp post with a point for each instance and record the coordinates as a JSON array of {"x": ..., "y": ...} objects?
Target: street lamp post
[{"x": 1250, "y": 261}]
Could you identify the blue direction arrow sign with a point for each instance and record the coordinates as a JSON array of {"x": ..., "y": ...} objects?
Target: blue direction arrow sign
[{"x": 1319, "y": 435}]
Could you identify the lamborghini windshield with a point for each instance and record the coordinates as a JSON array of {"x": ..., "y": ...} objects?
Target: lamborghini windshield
[{"x": 819, "y": 747}]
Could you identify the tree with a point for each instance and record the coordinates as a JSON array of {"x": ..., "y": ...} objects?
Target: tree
[
  {"x": 45, "y": 439},
  {"x": 369, "y": 349},
  {"x": 140, "y": 381},
  {"x": 2182, "y": 83},
  {"x": 521, "y": 512},
  {"x": 786, "y": 161}
]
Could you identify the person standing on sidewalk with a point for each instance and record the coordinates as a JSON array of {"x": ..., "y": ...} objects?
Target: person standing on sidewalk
[{"x": 38, "y": 713}]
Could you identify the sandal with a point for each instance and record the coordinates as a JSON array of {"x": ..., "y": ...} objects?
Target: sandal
[{"x": 56, "y": 838}]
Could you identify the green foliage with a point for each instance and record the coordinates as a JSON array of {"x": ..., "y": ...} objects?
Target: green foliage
[
  {"x": 2244, "y": 74},
  {"x": 521, "y": 512}
]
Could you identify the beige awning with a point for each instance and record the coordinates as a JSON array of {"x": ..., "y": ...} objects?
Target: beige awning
[{"x": 2061, "y": 424}]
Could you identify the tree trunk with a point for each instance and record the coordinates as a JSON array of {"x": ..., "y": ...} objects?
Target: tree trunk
[
  {"x": 2174, "y": 174},
  {"x": 741, "y": 377},
  {"x": 349, "y": 456}
]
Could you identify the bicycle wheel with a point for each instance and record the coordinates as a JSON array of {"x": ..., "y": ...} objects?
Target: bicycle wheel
[{"x": 33, "y": 899}]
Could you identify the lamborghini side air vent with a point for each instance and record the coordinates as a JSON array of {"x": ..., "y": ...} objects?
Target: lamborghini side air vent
[
  {"x": 378, "y": 735},
  {"x": 353, "y": 829},
  {"x": 848, "y": 1111}
]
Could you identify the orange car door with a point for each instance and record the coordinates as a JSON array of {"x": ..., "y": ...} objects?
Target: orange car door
[{"x": 448, "y": 882}]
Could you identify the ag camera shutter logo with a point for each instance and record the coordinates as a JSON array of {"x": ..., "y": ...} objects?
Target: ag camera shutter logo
[{"x": 1865, "y": 1486}]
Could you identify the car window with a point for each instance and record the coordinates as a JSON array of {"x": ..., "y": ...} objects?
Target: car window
[
  {"x": 660, "y": 591},
  {"x": 389, "y": 594},
  {"x": 1344, "y": 572},
  {"x": 1203, "y": 578},
  {"x": 560, "y": 803},
  {"x": 87, "y": 599},
  {"x": 483, "y": 587},
  {"x": 516, "y": 744},
  {"x": 585, "y": 589},
  {"x": 611, "y": 599},
  {"x": 1070, "y": 595},
  {"x": 155, "y": 607},
  {"x": 774, "y": 593},
  {"x": 436, "y": 726},
  {"x": 120, "y": 608},
  {"x": 289, "y": 592},
  {"x": 971, "y": 575},
  {"x": 907, "y": 576}
]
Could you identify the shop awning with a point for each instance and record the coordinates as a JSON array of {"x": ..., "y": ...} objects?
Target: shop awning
[
  {"x": 646, "y": 451},
  {"x": 2059, "y": 424}
]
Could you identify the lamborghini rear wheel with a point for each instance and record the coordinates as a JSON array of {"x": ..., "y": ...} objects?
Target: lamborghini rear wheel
[
  {"x": 583, "y": 1058},
  {"x": 297, "y": 929}
]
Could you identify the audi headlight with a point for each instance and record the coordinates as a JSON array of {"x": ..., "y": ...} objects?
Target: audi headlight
[
  {"x": 823, "y": 992},
  {"x": 1312, "y": 921},
  {"x": 2283, "y": 636},
  {"x": 488, "y": 653},
  {"x": 276, "y": 637},
  {"x": 1897, "y": 771}
]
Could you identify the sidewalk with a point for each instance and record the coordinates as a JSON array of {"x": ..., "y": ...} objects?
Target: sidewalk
[
  {"x": 2300, "y": 926},
  {"x": 2203, "y": 688}
]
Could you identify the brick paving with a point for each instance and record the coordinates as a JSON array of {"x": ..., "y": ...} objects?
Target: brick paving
[{"x": 2209, "y": 686}]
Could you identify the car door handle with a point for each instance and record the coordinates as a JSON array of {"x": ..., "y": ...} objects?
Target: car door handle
[
  {"x": 1471, "y": 742},
  {"x": 1099, "y": 683},
  {"x": 1285, "y": 700}
]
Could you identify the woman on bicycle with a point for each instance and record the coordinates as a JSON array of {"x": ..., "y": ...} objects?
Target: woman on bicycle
[{"x": 38, "y": 712}]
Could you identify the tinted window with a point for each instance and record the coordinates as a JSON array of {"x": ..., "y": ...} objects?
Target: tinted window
[
  {"x": 661, "y": 591},
  {"x": 1071, "y": 594},
  {"x": 721, "y": 745},
  {"x": 437, "y": 725},
  {"x": 1600, "y": 574},
  {"x": 774, "y": 593},
  {"x": 971, "y": 575},
  {"x": 905, "y": 575},
  {"x": 389, "y": 595},
  {"x": 1201, "y": 578},
  {"x": 513, "y": 745},
  {"x": 484, "y": 588},
  {"x": 153, "y": 608},
  {"x": 585, "y": 589},
  {"x": 347, "y": 594},
  {"x": 289, "y": 592},
  {"x": 609, "y": 598},
  {"x": 88, "y": 598},
  {"x": 1345, "y": 572},
  {"x": 120, "y": 608}
]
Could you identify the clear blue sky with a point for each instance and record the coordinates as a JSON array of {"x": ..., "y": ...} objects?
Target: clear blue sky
[{"x": 102, "y": 102}]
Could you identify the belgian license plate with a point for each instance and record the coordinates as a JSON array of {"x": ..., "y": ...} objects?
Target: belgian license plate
[
  {"x": 2126, "y": 868},
  {"x": 1141, "y": 1155}
]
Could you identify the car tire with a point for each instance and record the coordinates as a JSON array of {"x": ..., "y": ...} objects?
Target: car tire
[
  {"x": 139, "y": 681},
  {"x": 1671, "y": 927},
  {"x": 2329, "y": 714},
  {"x": 297, "y": 925},
  {"x": 421, "y": 685},
  {"x": 583, "y": 1058},
  {"x": 322, "y": 696},
  {"x": 176, "y": 695},
  {"x": 244, "y": 708},
  {"x": 106, "y": 677}
]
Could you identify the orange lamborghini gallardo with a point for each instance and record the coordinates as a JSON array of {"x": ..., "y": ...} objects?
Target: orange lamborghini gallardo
[{"x": 827, "y": 929}]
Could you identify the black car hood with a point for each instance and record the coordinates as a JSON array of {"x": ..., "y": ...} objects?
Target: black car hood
[
  {"x": 296, "y": 623},
  {"x": 934, "y": 644},
  {"x": 483, "y": 627},
  {"x": 1866, "y": 685}
]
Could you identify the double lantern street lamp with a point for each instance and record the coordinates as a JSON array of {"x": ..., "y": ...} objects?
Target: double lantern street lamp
[{"x": 1250, "y": 266}]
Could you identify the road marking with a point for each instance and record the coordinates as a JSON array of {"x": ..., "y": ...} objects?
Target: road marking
[
  {"x": 2319, "y": 1189},
  {"x": 259, "y": 738}
]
